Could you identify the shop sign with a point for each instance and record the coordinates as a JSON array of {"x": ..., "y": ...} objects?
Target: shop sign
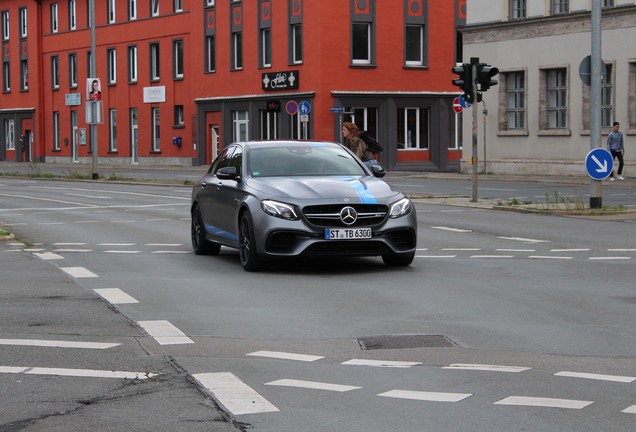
[{"x": 287, "y": 80}]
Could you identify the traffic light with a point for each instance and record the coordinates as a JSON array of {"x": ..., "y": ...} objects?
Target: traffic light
[
  {"x": 485, "y": 72},
  {"x": 465, "y": 79}
]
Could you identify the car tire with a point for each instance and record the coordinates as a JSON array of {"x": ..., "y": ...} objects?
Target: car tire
[
  {"x": 247, "y": 245},
  {"x": 398, "y": 260},
  {"x": 200, "y": 245}
]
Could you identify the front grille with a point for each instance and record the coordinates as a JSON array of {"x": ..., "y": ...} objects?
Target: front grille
[
  {"x": 349, "y": 248},
  {"x": 329, "y": 215}
]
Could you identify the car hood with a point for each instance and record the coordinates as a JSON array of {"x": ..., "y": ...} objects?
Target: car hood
[{"x": 368, "y": 190}]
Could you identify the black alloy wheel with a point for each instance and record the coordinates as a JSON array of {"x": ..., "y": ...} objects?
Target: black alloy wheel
[
  {"x": 247, "y": 246},
  {"x": 200, "y": 245}
]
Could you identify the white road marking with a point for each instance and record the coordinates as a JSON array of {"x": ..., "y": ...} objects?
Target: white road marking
[
  {"x": 122, "y": 251},
  {"x": 72, "y": 250},
  {"x": 57, "y": 343},
  {"x": 48, "y": 256},
  {"x": 461, "y": 249},
  {"x": 79, "y": 272},
  {"x": 435, "y": 256},
  {"x": 600, "y": 377},
  {"x": 492, "y": 256},
  {"x": 115, "y": 296},
  {"x": 69, "y": 244},
  {"x": 526, "y": 240},
  {"x": 426, "y": 396},
  {"x": 157, "y": 220},
  {"x": 286, "y": 356},
  {"x": 171, "y": 252},
  {"x": 164, "y": 332},
  {"x": 421, "y": 249},
  {"x": 236, "y": 396},
  {"x": 86, "y": 373},
  {"x": 549, "y": 257},
  {"x": 86, "y": 221},
  {"x": 313, "y": 385},
  {"x": 115, "y": 244},
  {"x": 571, "y": 250},
  {"x": 459, "y": 230},
  {"x": 16, "y": 224},
  {"x": 544, "y": 402},
  {"x": 488, "y": 368},
  {"x": 164, "y": 244},
  {"x": 610, "y": 258},
  {"x": 621, "y": 250},
  {"x": 50, "y": 223},
  {"x": 123, "y": 221},
  {"x": 630, "y": 410},
  {"x": 33, "y": 249},
  {"x": 380, "y": 363},
  {"x": 515, "y": 250},
  {"x": 87, "y": 196}
]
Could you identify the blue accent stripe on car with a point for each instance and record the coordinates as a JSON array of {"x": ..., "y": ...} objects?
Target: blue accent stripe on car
[
  {"x": 220, "y": 233},
  {"x": 361, "y": 190}
]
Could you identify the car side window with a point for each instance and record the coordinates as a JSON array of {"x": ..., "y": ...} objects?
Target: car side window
[
  {"x": 222, "y": 160},
  {"x": 237, "y": 159}
]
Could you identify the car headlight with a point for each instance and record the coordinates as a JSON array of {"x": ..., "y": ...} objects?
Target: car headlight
[
  {"x": 279, "y": 209},
  {"x": 400, "y": 208}
]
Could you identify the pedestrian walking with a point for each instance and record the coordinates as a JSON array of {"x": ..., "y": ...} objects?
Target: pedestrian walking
[{"x": 616, "y": 147}]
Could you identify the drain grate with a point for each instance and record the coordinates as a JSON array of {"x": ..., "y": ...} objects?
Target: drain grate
[{"x": 405, "y": 341}]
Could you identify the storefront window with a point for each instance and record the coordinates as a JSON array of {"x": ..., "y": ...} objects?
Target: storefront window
[{"x": 413, "y": 128}]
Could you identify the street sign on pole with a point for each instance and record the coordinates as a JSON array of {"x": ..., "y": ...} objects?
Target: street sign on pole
[
  {"x": 457, "y": 106},
  {"x": 599, "y": 163},
  {"x": 464, "y": 103},
  {"x": 304, "y": 107},
  {"x": 291, "y": 107},
  {"x": 337, "y": 109}
]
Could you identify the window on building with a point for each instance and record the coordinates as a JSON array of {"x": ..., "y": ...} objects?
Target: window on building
[
  {"x": 240, "y": 126},
  {"x": 296, "y": 49},
  {"x": 134, "y": 135},
  {"x": 366, "y": 118},
  {"x": 132, "y": 64},
  {"x": 179, "y": 120},
  {"x": 111, "y": 12},
  {"x": 156, "y": 130},
  {"x": 237, "y": 51},
  {"x": 361, "y": 43},
  {"x": 268, "y": 125},
  {"x": 6, "y": 76},
  {"x": 72, "y": 70},
  {"x": 24, "y": 22},
  {"x": 112, "y": 130},
  {"x": 177, "y": 59},
  {"x": 515, "y": 100},
  {"x": 54, "y": 20},
  {"x": 517, "y": 9},
  {"x": 155, "y": 69},
  {"x": 210, "y": 53},
  {"x": 413, "y": 128},
  {"x": 266, "y": 48},
  {"x": 55, "y": 72},
  {"x": 209, "y": 3},
  {"x": 608, "y": 3},
  {"x": 132, "y": 10},
  {"x": 178, "y": 6},
  {"x": 6, "y": 32},
  {"x": 112, "y": 65},
  {"x": 56, "y": 131},
  {"x": 607, "y": 98},
  {"x": 154, "y": 8},
  {"x": 72, "y": 15},
  {"x": 557, "y": 98},
  {"x": 24, "y": 74},
  {"x": 414, "y": 45},
  {"x": 9, "y": 134},
  {"x": 631, "y": 109},
  {"x": 559, "y": 7},
  {"x": 89, "y": 65}
]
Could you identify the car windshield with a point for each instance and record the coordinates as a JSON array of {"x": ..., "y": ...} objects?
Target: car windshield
[{"x": 310, "y": 159}]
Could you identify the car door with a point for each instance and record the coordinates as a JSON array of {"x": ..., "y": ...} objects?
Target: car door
[
  {"x": 211, "y": 196},
  {"x": 226, "y": 202}
]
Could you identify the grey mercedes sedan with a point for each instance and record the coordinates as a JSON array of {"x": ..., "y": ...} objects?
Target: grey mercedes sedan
[{"x": 277, "y": 199}]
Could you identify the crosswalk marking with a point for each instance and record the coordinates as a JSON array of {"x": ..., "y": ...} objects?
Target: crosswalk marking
[
  {"x": 426, "y": 396},
  {"x": 78, "y": 272},
  {"x": 57, "y": 343},
  {"x": 313, "y": 385},
  {"x": 164, "y": 332},
  {"x": 600, "y": 377},
  {"x": 84, "y": 373},
  {"x": 544, "y": 402},
  {"x": 630, "y": 410},
  {"x": 286, "y": 356},
  {"x": 236, "y": 396},
  {"x": 489, "y": 368},
  {"x": 380, "y": 363},
  {"x": 115, "y": 296},
  {"x": 48, "y": 256}
]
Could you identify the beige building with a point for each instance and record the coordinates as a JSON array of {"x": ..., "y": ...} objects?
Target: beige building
[{"x": 537, "y": 119}]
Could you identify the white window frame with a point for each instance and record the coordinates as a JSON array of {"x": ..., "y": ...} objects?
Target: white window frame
[
  {"x": 133, "y": 76},
  {"x": 210, "y": 58},
  {"x": 420, "y": 61},
  {"x": 112, "y": 66},
  {"x": 156, "y": 129},
  {"x": 112, "y": 127},
  {"x": 132, "y": 10},
  {"x": 55, "y": 72},
  {"x": 366, "y": 60},
  {"x": 9, "y": 134},
  {"x": 154, "y": 8},
  {"x": 24, "y": 23},
  {"x": 179, "y": 119},
  {"x": 72, "y": 15},
  {"x": 297, "y": 43},
  {"x": 237, "y": 51},
  {"x": 54, "y": 18},
  {"x": 178, "y": 54},
  {"x": 56, "y": 130},
  {"x": 111, "y": 12},
  {"x": 209, "y": 3},
  {"x": 516, "y": 101},
  {"x": 24, "y": 74},
  {"x": 557, "y": 108},
  {"x": 6, "y": 31},
  {"x": 178, "y": 6},
  {"x": 266, "y": 47},
  {"x": 517, "y": 9},
  {"x": 72, "y": 70},
  {"x": 155, "y": 70},
  {"x": 240, "y": 122},
  {"x": 6, "y": 76}
]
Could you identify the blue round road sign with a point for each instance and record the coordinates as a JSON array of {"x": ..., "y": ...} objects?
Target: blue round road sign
[
  {"x": 599, "y": 163},
  {"x": 304, "y": 107}
]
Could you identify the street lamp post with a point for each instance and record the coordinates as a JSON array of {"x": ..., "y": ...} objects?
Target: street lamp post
[{"x": 94, "y": 104}]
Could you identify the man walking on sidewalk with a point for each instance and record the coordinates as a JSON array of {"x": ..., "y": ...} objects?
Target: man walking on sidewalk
[{"x": 616, "y": 147}]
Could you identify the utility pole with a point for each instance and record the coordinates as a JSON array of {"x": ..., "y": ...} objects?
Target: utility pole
[
  {"x": 474, "y": 61},
  {"x": 94, "y": 104},
  {"x": 596, "y": 189}
]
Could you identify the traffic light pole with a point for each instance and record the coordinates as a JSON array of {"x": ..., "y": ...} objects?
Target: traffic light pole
[{"x": 474, "y": 159}]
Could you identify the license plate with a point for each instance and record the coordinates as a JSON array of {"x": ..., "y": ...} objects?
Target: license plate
[{"x": 347, "y": 233}]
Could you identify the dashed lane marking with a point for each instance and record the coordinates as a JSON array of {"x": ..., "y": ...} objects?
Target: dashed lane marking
[
  {"x": 71, "y": 250},
  {"x": 550, "y": 257},
  {"x": 286, "y": 356},
  {"x": 115, "y": 296},
  {"x": 78, "y": 272},
  {"x": 164, "y": 332},
  {"x": 435, "y": 256},
  {"x": 380, "y": 363},
  {"x": 57, "y": 343},
  {"x": 458, "y": 230},
  {"x": 492, "y": 256},
  {"x": 630, "y": 410},
  {"x": 489, "y": 368},
  {"x": 236, "y": 396},
  {"x": 48, "y": 256},
  {"x": 525, "y": 240},
  {"x": 122, "y": 251},
  {"x": 315, "y": 385},
  {"x": 544, "y": 402},
  {"x": 600, "y": 377},
  {"x": 85, "y": 373},
  {"x": 426, "y": 396},
  {"x": 610, "y": 258}
]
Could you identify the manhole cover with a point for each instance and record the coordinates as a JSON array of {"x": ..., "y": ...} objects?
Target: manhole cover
[{"x": 405, "y": 341}]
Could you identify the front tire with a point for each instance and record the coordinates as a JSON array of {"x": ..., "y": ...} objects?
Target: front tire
[
  {"x": 200, "y": 245},
  {"x": 247, "y": 245},
  {"x": 398, "y": 260}
]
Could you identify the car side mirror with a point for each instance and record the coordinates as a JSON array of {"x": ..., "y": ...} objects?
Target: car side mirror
[
  {"x": 227, "y": 173},
  {"x": 378, "y": 171}
]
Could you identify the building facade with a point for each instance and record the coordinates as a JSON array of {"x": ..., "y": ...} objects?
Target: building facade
[
  {"x": 179, "y": 80},
  {"x": 537, "y": 119}
]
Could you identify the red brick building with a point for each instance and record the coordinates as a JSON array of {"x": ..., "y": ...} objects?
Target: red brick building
[{"x": 180, "y": 79}]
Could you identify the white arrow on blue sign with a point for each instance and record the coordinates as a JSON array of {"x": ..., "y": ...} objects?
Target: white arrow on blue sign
[
  {"x": 599, "y": 163},
  {"x": 464, "y": 103}
]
